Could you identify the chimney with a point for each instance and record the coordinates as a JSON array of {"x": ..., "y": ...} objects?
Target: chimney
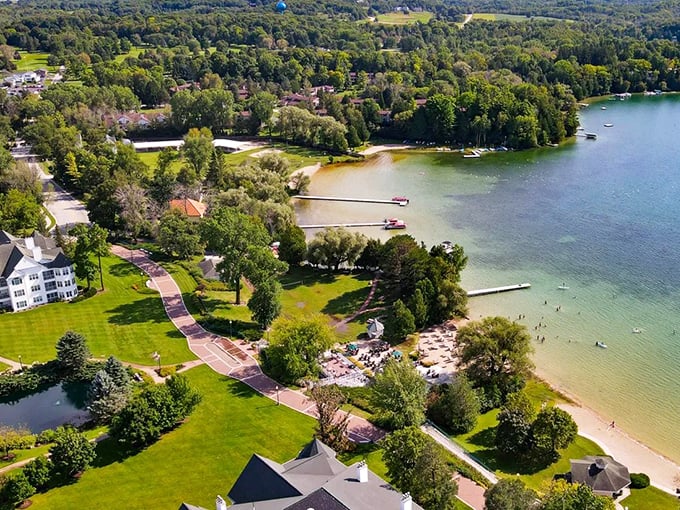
[
  {"x": 362, "y": 472},
  {"x": 220, "y": 504},
  {"x": 30, "y": 243},
  {"x": 37, "y": 253},
  {"x": 406, "y": 502}
]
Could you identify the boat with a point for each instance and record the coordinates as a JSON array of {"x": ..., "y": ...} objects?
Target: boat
[
  {"x": 601, "y": 345},
  {"x": 591, "y": 136},
  {"x": 563, "y": 287},
  {"x": 609, "y": 125},
  {"x": 395, "y": 224},
  {"x": 637, "y": 330},
  {"x": 603, "y": 108},
  {"x": 402, "y": 201}
]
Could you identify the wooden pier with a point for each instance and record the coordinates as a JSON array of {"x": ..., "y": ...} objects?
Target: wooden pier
[
  {"x": 359, "y": 200},
  {"x": 348, "y": 225},
  {"x": 496, "y": 290}
]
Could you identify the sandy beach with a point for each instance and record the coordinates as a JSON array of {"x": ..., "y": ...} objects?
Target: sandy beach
[
  {"x": 616, "y": 442},
  {"x": 374, "y": 149}
]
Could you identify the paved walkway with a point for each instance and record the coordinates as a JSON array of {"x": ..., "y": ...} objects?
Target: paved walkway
[
  {"x": 67, "y": 211},
  {"x": 227, "y": 357}
]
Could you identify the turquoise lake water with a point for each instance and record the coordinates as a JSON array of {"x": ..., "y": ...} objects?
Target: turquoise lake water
[{"x": 602, "y": 217}]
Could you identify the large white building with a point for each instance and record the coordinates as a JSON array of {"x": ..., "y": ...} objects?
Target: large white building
[{"x": 33, "y": 271}]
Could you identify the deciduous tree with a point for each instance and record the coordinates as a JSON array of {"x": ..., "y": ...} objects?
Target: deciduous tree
[
  {"x": 335, "y": 246},
  {"x": 509, "y": 494},
  {"x": 72, "y": 452},
  {"x": 457, "y": 407},
  {"x": 513, "y": 433},
  {"x": 293, "y": 245},
  {"x": 399, "y": 394},
  {"x": 265, "y": 303},
  {"x": 178, "y": 235},
  {"x": 331, "y": 422},
  {"x": 38, "y": 472},
  {"x": 552, "y": 430}
]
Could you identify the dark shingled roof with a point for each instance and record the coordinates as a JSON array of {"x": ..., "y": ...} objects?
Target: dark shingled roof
[
  {"x": 314, "y": 448},
  {"x": 261, "y": 480},
  {"x": 187, "y": 506},
  {"x": 12, "y": 249},
  {"x": 601, "y": 473},
  {"x": 318, "y": 500},
  {"x": 10, "y": 256}
]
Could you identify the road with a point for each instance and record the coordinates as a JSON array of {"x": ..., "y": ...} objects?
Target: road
[{"x": 67, "y": 211}]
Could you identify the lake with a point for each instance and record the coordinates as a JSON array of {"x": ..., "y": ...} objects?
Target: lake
[
  {"x": 600, "y": 217},
  {"x": 54, "y": 406}
]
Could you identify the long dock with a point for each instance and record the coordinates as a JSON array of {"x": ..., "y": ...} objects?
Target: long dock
[
  {"x": 347, "y": 199},
  {"x": 496, "y": 290},
  {"x": 348, "y": 225}
]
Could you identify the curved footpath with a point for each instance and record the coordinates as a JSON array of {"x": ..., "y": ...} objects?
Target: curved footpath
[{"x": 228, "y": 358}]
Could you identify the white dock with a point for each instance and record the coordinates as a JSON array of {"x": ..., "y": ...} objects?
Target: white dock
[
  {"x": 348, "y": 225},
  {"x": 348, "y": 199},
  {"x": 496, "y": 290}
]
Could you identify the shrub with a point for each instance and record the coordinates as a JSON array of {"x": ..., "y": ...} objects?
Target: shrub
[
  {"x": 90, "y": 292},
  {"x": 46, "y": 436},
  {"x": 166, "y": 371},
  {"x": 639, "y": 481}
]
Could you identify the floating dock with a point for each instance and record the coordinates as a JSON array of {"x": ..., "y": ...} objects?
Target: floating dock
[
  {"x": 496, "y": 290},
  {"x": 348, "y": 225},
  {"x": 359, "y": 200}
]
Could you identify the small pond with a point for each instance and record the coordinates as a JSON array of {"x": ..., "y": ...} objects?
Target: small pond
[{"x": 47, "y": 409}]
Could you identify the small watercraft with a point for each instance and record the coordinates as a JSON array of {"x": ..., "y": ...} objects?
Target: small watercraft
[
  {"x": 563, "y": 287},
  {"x": 637, "y": 330},
  {"x": 395, "y": 224},
  {"x": 402, "y": 201},
  {"x": 609, "y": 125},
  {"x": 601, "y": 345},
  {"x": 603, "y": 108}
]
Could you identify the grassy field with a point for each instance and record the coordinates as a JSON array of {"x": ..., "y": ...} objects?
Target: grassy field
[
  {"x": 130, "y": 324},
  {"x": 480, "y": 441},
  {"x": 650, "y": 498},
  {"x": 401, "y": 18},
  {"x": 32, "y": 61},
  {"x": 196, "y": 461},
  {"x": 489, "y": 16},
  {"x": 134, "y": 52}
]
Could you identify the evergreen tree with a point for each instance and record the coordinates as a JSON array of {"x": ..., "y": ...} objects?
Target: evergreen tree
[{"x": 72, "y": 353}]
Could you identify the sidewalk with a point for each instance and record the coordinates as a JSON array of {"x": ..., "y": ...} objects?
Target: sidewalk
[{"x": 227, "y": 357}]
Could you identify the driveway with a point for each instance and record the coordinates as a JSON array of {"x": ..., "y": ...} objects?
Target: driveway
[{"x": 67, "y": 211}]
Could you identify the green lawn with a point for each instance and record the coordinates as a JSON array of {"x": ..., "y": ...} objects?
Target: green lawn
[
  {"x": 3, "y": 366},
  {"x": 150, "y": 159},
  {"x": 305, "y": 156},
  {"x": 195, "y": 462},
  {"x": 32, "y": 61},
  {"x": 401, "y": 18},
  {"x": 489, "y": 16},
  {"x": 650, "y": 498},
  {"x": 134, "y": 52},
  {"x": 130, "y": 324}
]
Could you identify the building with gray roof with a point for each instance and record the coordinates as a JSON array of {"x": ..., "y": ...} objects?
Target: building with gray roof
[
  {"x": 314, "y": 479},
  {"x": 601, "y": 473}
]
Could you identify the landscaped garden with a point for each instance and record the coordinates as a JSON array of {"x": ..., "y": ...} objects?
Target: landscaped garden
[{"x": 127, "y": 320}]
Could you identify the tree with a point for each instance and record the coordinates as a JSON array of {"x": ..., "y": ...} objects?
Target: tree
[
  {"x": 418, "y": 308},
  {"x": 133, "y": 204},
  {"x": 513, "y": 433},
  {"x": 196, "y": 150},
  {"x": 90, "y": 240},
  {"x": 335, "y": 246},
  {"x": 261, "y": 107},
  {"x": 401, "y": 322},
  {"x": 117, "y": 372},
  {"x": 509, "y": 494},
  {"x": 184, "y": 396},
  {"x": 457, "y": 407},
  {"x": 295, "y": 346},
  {"x": 178, "y": 235},
  {"x": 72, "y": 353},
  {"x": 399, "y": 394},
  {"x": 415, "y": 464},
  {"x": 233, "y": 235},
  {"x": 265, "y": 303},
  {"x": 14, "y": 437},
  {"x": 562, "y": 495},
  {"x": 105, "y": 397},
  {"x": 299, "y": 183},
  {"x": 331, "y": 422},
  {"x": 495, "y": 353},
  {"x": 370, "y": 255},
  {"x": 293, "y": 245},
  {"x": 72, "y": 452},
  {"x": 20, "y": 213},
  {"x": 17, "y": 489},
  {"x": 553, "y": 429},
  {"x": 38, "y": 472}
]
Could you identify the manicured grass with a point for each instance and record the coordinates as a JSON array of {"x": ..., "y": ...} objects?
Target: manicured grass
[
  {"x": 308, "y": 291},
  {"x": 196, "y": 461},
  {"x": 650, "y": 498},
  {"x": 3, "y": 366},
  {"x": 401, "y": 18},
  {"x": 150, "y": 159},
  {"x": 134, "y": 52},
  {"x": 32, "y": 61},
  {"x": 489, "y": 16},
  {"x": 124, "y": 322},
  {"x": 305, "y": 156}
]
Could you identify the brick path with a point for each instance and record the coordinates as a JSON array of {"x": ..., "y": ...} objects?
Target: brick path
[{"x": 226, "y": 357}]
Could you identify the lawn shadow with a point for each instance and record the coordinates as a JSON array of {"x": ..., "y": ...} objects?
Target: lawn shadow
[
  {"x": 347, "y": 303},
  {"x": 147, "y": 310},
  {"x": 123, "y": 269},
  {"x": 307, "y": 277},
  {"x": 485, "y": 437},
  {"x": 239, "y": 389},
  {"x": 110, "y": 451}
]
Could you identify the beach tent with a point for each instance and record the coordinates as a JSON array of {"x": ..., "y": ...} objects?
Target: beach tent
[
  {"x": 601, "y": 473},
  {"x": 375, "y": 328}
]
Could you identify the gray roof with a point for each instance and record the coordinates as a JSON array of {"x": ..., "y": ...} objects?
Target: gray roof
[
  {"x": 314, "y": 479},
  {"x": 600, "y": 473},
  {"x": 13, "y": 249},
  {"x": 209, "y": 269},
  {"x": 187, "y": 506}
]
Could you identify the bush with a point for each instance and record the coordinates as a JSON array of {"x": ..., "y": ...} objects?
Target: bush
[
  {"x": 166, "y": 371},
  {"x": 90, "y": 292},
  {"x": 639, "y": 481},
  {"x": 46, "y": 436}
]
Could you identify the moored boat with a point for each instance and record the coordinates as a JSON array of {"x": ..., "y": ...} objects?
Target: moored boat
[
  {"x": 601, "y": 345},
  {"x": 394, "y": 224},
  {"x": 402, "y": 201},
  {"x": 609, "y": 125}
]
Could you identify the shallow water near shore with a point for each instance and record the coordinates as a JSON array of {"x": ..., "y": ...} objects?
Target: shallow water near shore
[{"x": 601, "y": 217}]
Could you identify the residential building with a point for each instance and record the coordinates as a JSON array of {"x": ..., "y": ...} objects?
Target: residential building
[
  {"x": 313, "y": 479},
  {"x": 601, "y": 473},
  {"x": 190, "y": 207},
  {"x": 33, "y": 271}
]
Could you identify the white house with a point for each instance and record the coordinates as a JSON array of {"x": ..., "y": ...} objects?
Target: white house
[{"x": 33, "y": 271}]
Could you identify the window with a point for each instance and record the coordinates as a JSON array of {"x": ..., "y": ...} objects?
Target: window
[
  {"x": 57, "y": 272},
  {"x": 33, "y": 276},
  {"x": 69, "y": 294},
  {"x": 59, "y": 284},
  {"x": 73, "y": 281},
  {"x": 21, "y": 304},
  {"x": 4, "y": 294},
  {"x": 50, "y": 285},
  {"x": 48, "y": 275},
  {"x": 35, "y": 288},
  {"x": 38, "y": 299},
  {"x": 16, "y": 281},
  {"x": 3, "y": 282},
  {"x": 19, "y": 293},
  {"x": 52, "y": 297},
  {"x": 66, "y": 270}
]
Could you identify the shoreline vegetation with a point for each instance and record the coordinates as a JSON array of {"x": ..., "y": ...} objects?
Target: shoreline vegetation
[{"x": 618, "y": 443}]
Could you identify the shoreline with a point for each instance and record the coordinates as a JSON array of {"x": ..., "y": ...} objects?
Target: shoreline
[{"x": 619, "y": 443}]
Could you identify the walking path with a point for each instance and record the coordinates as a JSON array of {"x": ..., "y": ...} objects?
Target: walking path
[
  {"x": 364, "y": 305},
  {"x": 67, "y": 211},
  {"x": 12, "y": 364},
  {"x": 225, "y": 356}
]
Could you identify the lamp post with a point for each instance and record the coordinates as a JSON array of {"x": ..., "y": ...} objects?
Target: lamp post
[
  {"x": 277, "y": 395},
  {"x": 21, "y": 364},
  {"x": 231, "y": 334}
]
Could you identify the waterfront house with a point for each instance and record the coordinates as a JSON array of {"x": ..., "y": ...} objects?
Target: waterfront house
[
  {"x": 33, "y": 271},
  {"x": 601, "y": 473}
]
